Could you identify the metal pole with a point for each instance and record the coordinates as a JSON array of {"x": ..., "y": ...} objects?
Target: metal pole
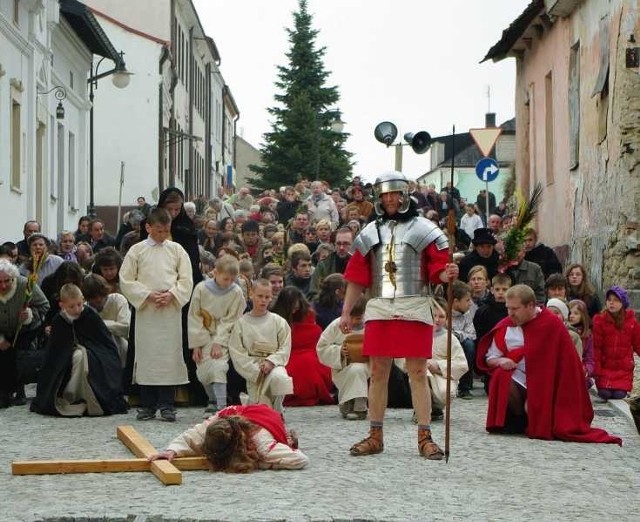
[
  {"x": 120, "y": 193},
  {"x": 317, "y": 166},
  {"x": 487, "y": 209},
  {"x": 91, "y": 211},
  {"x": 398, "y": 163},
  {"x": 451, "y": 229}
]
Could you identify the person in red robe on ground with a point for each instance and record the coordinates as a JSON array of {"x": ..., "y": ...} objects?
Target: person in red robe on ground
[
  {"x": 546, "y": 398},
  {"x": 311, "y": 380},
  {"x": 395, "y": 256}
]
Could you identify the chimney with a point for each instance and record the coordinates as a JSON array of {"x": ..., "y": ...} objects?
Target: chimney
[{"x": 490, "y": 120}]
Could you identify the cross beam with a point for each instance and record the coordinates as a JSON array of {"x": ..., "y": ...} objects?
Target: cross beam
[{"x": 169, "y": 473}]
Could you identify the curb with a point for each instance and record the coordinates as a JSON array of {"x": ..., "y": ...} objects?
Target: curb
[{"x": 620, "y": 405}]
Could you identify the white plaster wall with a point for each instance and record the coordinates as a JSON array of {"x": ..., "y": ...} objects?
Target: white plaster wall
[
  {"x": 150, "y": 16},
  {"x": 126, "y": 122}
]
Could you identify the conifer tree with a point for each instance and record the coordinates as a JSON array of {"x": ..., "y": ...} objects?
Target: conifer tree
[{"x": 301, "y": 143}]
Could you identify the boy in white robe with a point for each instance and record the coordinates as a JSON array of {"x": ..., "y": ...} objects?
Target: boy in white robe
[
  {"x": 351, "y": 378},
  {"x": 156, "y": 278},
  {"x": 112, "y": 308},
  {"x": 259, "y": 347},
  {"x": 216, "y": 305}
]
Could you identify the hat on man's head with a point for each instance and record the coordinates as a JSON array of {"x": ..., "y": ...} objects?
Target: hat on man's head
[
  {"x": 483, "y": 236},
  {"x": 560, "y": 305},
  {"x": 620, "y": 293}
]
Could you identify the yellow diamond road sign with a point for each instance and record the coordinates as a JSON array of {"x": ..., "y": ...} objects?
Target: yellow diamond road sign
[{"x": 485, "y": 138}]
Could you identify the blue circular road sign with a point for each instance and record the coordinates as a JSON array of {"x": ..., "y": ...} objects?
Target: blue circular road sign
[{"x": 487, "y": 169}]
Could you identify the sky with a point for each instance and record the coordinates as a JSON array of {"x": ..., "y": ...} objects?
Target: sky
[{"x": 412, "y": 62}]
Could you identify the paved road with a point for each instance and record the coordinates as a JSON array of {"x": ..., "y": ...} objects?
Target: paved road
[{"x": 488, "y": 477}]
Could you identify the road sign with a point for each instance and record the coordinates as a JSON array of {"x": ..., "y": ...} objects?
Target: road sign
[
  {"x": 487, "y": 169},
  {"x": 485, "y": 138}
]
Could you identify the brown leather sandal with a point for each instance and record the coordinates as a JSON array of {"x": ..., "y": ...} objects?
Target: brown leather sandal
[
  {"x": 370, "y": 445},
  {"x": 427, "y": 448}
]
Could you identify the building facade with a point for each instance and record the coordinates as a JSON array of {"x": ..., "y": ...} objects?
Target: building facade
[
  {"x": 176, "y": 127},
  {"x": 577, "y": 100},
  {"x": 47, "y": 48}
]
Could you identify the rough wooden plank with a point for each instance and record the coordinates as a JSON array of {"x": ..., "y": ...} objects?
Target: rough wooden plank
[
  {"x": 53, "y": 467},
  {"x": 166, "y": 472},
  {"x": 136, "y": 443}
]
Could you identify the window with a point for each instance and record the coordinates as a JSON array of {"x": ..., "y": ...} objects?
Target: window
[
  {"x": 16, "y": 12},
  {"x": 548, "y": 126},
  {"x": 574, "y": 106},
  {"x": 72, "y": 171},
  {"x": 16, "y": 145}
]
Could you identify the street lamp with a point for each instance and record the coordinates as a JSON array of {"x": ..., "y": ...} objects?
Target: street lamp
[
  {"x": 120, "y": 79},
  {"x": 386, "y": 132},
  {"x": 337, "y": 126}
]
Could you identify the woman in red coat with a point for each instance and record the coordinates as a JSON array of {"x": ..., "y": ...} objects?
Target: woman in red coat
[
  {"x": 311, "y": 379},
  {"x": 616, "y": 335}
]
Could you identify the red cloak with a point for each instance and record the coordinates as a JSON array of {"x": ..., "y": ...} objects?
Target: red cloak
[
  {"x": 311, "y": 379},
  {"x": 261, "y": 415},
  {"x": 558, "y": 404}
]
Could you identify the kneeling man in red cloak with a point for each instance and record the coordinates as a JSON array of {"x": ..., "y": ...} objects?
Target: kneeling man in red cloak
[{"x": 537, "y": 382}]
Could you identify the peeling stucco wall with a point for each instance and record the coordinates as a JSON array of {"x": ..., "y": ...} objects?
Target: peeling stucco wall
[{"x": 599, "y": 200}]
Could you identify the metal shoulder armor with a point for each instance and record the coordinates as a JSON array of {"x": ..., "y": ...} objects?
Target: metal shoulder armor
[
  {"x": 422, "y": 232},
  {"x": 368, "y": 238}
]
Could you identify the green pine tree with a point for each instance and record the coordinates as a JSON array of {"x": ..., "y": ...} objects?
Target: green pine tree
[{"x": 301, "y": 143}]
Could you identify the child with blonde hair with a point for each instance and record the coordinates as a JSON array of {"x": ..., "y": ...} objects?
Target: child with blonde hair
[
  {"x": 260, "y": 346},
  {"x": 216, "y": 305}
]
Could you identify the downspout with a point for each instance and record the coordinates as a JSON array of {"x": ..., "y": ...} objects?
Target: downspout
[
  {"x": 190, "y": 181},
  {"x": 162, "y": 135},
  {"x": 208, "y": 144},
  {"x": 172, "y": 112}
]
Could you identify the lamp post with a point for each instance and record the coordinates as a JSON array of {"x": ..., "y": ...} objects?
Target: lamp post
[
  {"x": 120, "y": 80},
  {"x": 337, "y": 126},
  {"x": 386, "y": 132}
]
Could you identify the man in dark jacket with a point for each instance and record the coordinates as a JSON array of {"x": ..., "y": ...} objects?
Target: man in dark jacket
[
  {"x": 334, "y": 263},
  {"x": 541, "y": 254},
  {"x": 483, "y": 254}
]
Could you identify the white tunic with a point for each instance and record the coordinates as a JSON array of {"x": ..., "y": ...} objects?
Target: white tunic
[
  {"x": 459, "y": 366},
  {"x": 146, "y": 268},
  {"x": 273, "y": 454},
  {"x": 117, "y": 317},
  {"x": 212, "y": 316},
  {"x": 269, "y": 331},
  {"x": 351, "y": 380}
]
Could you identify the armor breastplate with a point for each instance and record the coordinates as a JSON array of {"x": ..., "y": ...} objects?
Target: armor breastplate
[{"x": 396, "y": 251}]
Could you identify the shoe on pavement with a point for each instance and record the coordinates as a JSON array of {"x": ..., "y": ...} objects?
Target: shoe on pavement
[
  {"x": 465, "y": 394},
  {"x": 145, "y": 414},
  {"x": 356, "y": 415},
  {"x": 345, "y": 408},
  {"x": 168, "y": 415},
  {"x": 210, "y": 410},
  {"x": 437, "y": 414}
]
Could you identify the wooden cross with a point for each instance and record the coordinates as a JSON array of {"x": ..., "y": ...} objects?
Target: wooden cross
[{"x": 169, "y": 473}]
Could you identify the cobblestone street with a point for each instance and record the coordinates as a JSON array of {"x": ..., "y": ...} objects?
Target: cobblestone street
[{"x": 488, "y": 477}]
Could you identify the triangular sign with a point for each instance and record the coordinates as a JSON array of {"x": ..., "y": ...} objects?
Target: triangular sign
[{"x": 485, "y": 138}]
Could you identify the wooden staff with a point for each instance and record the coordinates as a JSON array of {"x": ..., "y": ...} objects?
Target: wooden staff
[{"x": 451, "y": 232}]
